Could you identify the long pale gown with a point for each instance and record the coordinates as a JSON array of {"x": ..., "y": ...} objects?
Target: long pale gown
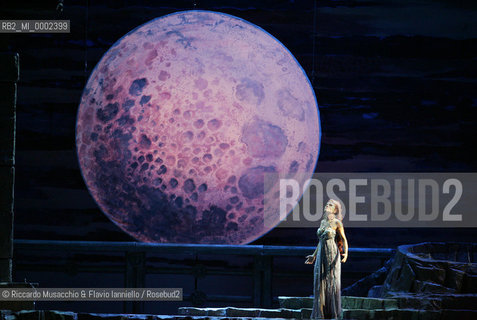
[{"x": 327, "y": 277}]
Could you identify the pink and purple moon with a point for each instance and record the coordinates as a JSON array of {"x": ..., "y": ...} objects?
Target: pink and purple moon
[{"x": 181, "y": 120}]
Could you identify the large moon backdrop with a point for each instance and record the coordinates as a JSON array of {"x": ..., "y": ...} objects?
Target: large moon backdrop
[{"x": 182, "y": 119}]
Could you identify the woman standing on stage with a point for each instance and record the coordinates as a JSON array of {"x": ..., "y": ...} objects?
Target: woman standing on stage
[{"x": 327, "y": 257}]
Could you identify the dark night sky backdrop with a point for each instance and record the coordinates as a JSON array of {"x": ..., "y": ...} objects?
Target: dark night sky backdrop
[{"x": 395, "y": 83}]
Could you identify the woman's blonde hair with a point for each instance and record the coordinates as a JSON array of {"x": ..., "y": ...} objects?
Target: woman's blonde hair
[{"x": 337, "y": 204}]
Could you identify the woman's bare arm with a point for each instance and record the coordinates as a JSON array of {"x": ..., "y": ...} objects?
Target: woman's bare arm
[
  {"x": 345, "y": 241},
  {"x": 316, "y": 250},
  {"x": 310, "y": 258}
]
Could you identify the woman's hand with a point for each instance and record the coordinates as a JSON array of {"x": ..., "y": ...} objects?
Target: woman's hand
[
  {"x": 310, "y": 259},
  {"x": 345, "y": 257}
]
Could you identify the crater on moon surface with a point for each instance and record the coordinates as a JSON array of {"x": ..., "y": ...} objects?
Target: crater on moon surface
[{"x": 182, "y": 119}]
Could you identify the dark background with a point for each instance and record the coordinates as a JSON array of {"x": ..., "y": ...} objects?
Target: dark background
[{"x": 395, "y": 83}]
